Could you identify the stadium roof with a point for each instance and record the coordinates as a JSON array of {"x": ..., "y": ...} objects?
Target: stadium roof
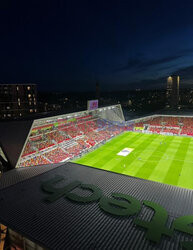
[
  {"x": 64, "y": 224},
  {"x": 12, "y": 138}
]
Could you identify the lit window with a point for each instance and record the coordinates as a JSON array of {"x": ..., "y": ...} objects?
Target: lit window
[
  {"x": 35, "y": 110},
  {"x": 29, "y": 103},
  {"x": 34, "y": 103},
  {"x": 31, "y": 110},
  {"x": 8, "y": 107},
  {"x": 29, "y": 95},
  {"x": 17, "y": 88},
  {"x": 28, "y": 87},
  {"x": 20, "y": 114}
]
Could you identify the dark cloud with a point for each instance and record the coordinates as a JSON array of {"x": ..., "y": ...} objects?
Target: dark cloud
[
  {"x": 161, "y": 61},
  {"x": 138, "y": 65},
  {"x": 150, "y": 83},
  {"x": 186, "y": 79},
  {"x": 185, "y": 73},
  {"x": 132, "y": 63}
]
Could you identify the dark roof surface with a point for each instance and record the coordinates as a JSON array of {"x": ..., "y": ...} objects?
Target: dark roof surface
[
  {"x": 64, "y": 224},
  {"x": 21, "y": 174},
  {"x": 12, "y": 138}
]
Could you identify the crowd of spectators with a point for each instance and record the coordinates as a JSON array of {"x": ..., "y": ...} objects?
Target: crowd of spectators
[
  {"x": 28, "y": 149},
  {"x": 75, "y": 150},
  {"x": 44, "y": 144},
  {"x": 71, "y": 131},
  {"x": 187, "y": 127},
  {"x": 156, "y": 121},
  {"x": 174, "y": 131},
  {"x": 174, "y": 125},
  {"x": 56, "y": 136},
  {"x": 84, "y": 133},
  {"x": 36, "y": 160},
  {"x": 56, "y": 155},
  {"x": 170, "y": 121},
  {"x": 156, "y": 130},
  {"x": 36, "y": 138}
]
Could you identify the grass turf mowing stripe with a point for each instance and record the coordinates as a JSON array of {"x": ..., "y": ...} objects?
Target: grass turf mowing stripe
[
  {"x": 148, "y": 167},
  {"x": 101, "y": 155},
  {"x": 140, "y": 147},
  {"x": 175, "y": 169},
  {"x": 174, "y": 166},
  {"x": 162, "y": 167},
  {"x": 142, "y": 157},
  {"x": 90, "y": 157},
  {"x": 127, "y": 143},
  {"x": 131, "y": 165},
  {"x": 186, "y": 174},
  {"x": 115, "y": 160}
]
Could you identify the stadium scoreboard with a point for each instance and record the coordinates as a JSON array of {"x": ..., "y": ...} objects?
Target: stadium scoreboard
[{"x": 92, "y": 104}]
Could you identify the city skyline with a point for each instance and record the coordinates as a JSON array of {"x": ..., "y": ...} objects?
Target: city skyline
[{"x": 65, "y": 46}]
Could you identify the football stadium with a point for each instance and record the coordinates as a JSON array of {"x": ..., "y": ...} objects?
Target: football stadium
[
  {"x": 149, "y": 148},
  {"x": 129, "y": 183}
]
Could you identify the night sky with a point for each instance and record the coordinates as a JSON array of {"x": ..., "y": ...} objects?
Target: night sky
[{"x": 69, "y": 45}]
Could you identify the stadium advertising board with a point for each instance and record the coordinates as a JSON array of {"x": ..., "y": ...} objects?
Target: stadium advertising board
[
  {"x": 122, "y": 205},
  {"x": 92, "y": 104},
  {"x": 139, "y": 128}
]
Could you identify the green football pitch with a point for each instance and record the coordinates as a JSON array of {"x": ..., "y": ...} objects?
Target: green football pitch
[{"x": 165, "y": 159}]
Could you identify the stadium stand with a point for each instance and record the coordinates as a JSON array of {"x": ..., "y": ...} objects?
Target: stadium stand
[
  {"x": 56, "y": 155},
  {"x": 154, "y": 129},
  {"x": 68, "y": 138},
  {"x": 63, "y": 138},
  {"x": 36, "y": 160},
  {"x": 168, "y": 124}
]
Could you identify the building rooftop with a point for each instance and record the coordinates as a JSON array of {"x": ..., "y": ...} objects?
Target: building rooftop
[{"x": 66, "y": 224}]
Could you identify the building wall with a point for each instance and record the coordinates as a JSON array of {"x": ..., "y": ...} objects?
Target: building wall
[
  {"x": 172, "y": 92},
  {"x": 19, "y": 242},
  {"x": 17, "y": 100}
]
